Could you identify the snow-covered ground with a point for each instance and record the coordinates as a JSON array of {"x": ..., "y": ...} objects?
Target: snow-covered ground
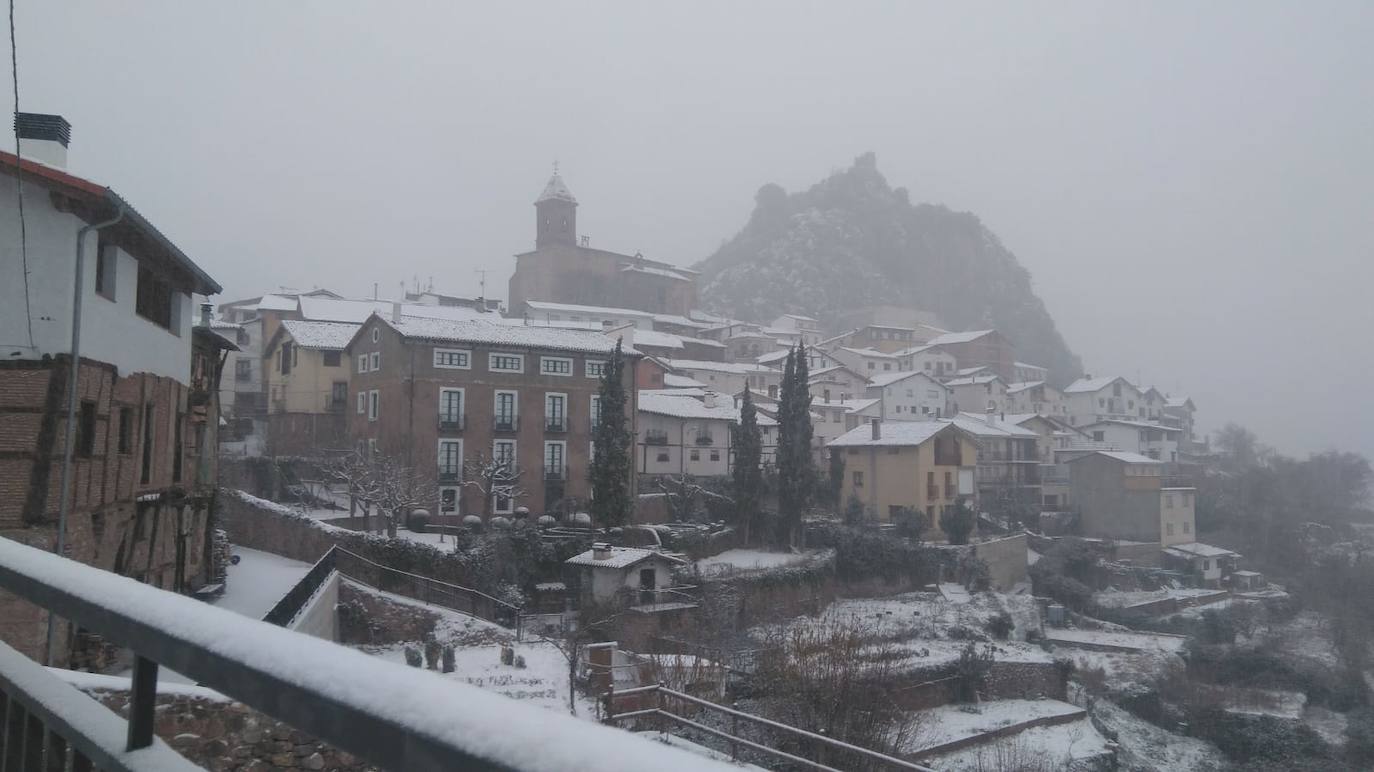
[
  {"x": 751, "y": 560},
  {"x": 955, "y": 722},
  {"x": 697, "y": 748},
  {"x": 1266, "y": 702},
  {"x": 1126, "y": 673},
  {"x": 1054, "y": 747},
  {"x": 259, "y": 580},
  {"x": 1144, "y": 747},
  {"x": 1121, "y": 599}
]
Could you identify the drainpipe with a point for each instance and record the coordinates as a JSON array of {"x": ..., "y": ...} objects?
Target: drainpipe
[{"x": 69, "y": 435}]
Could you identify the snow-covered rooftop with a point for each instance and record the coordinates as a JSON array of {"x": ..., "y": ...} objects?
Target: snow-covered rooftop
[
  {"x": 619, "y": 557},
  {"x": 682, "y": 406},
  {"x": 958, "y": 337},
  {"x": 655, "y": 339},
  {"x": 572, "y": 308},
  {"x": 1200, "y": 550},
  {"x": 489, "y": 333},
  {"x": 981, "y": 426},
  {"x": 1119, "y": 455},
  {"x": 673, "y": 381},
  {"x": 906, "y": 352},
  {"x": 680, "y": 321},
  {"x": 736, "y": 368},
  {"x": 326, "y": 336},
  {"x": 871, "y": 353},
  {"x": 1087, "y": 385},
  {"x": 556, "y": 189},
  {"x": 886, "y": 379},
  {"x": 1134, "y": 424},
  {"x": 894, "y": 434},
  {"x": 276, "y": 303},
  {"x": 325, "y": 309},
  {"x": 976, "y": 380},
  {"x": 649, "y": 269},
  {"x": 1020, "y": 386}
]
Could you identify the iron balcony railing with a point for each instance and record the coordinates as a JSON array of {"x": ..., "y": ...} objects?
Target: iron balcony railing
[
  {"x": 654, "y": 437},
  {"x": 505, "y": 423},
  {"x": 452, "y": 422},
  {"x": 386, "y": 714},
  {"x": 705, "y": 439},
  {"x": 555, "y": 472},
  {"x": 556, "y": 425},
  {"x": 450, "y": 475}
]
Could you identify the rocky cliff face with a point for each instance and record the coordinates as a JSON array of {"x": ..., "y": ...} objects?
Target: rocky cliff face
[{"x": 852, "y": 240}]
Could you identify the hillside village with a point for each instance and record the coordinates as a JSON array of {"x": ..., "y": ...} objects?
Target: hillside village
[{"x": 870, "y": 543}]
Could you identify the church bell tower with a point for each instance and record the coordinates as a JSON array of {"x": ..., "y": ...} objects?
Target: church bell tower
[{"x": 555, "y": 214}]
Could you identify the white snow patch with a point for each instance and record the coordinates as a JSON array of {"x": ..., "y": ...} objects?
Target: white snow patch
[
  {"x": 746, "y": 560},
  {"x": 259, "y": 580}
]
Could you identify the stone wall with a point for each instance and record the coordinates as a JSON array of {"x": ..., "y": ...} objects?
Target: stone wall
[
  {"x": 1005, "y": 559},
  {"x": 1005, "y": 681},
  {"x": 225, "y": 736},
  {"x": 369, "y": 619}
]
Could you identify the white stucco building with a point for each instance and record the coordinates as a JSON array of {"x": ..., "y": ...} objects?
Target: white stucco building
[{"x": 909, "y": 396}]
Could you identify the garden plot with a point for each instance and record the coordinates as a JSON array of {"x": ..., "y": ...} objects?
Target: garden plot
[
  {"x": 1062, "y": 735},
  {"x": 742, "y": 560},
  {"x": 952, "y": 723},
  {"x": 1115, "y": 640},
  {"x": 1145, "y": 747}
]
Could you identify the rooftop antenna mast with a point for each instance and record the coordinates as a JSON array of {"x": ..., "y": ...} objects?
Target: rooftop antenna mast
[{"x": 482, "y": 282}]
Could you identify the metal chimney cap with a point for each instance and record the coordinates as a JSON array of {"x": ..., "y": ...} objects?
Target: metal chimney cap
[{"x": 43, "y": 126}]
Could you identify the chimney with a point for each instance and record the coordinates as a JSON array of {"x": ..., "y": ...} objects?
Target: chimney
[
  {"x": 877, "y": 428},
  {"x": 396, "y": 311},
  {"x": 601, "y": 551},
  {"x": 709, "y": 399},
  {"x": 990, "y": 416},
  {"x": 43, "y": 138},
  {"x": 205, "y": 310}
]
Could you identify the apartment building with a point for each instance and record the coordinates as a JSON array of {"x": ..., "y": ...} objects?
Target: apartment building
[
  {"x": 1035, "y": 397},
  {"x": 307, "y": 387},
  {"x": 980, "y": 348},
  {"x": 445, "y": 393},
  {"x": 978, "y": 394},
  {"x": 142, "y": 470},
  {"x": 1120, "y": 495},
  {"x": 1088, "y": 400},
  {"x": 1155, "y": 441},
  {"x": 931, "y": 360},
  {"x": 690, "y": 435},
  {"x": 924, "y": 465}
]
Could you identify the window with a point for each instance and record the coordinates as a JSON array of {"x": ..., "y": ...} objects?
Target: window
[
  {"x": 448, "y": 501},
  {"x": 503, "y": 453},
  {"x": 374, "y": 399},
  {"x": 376, "y": 334},
  {"x": 362, "y": 402},
  {"x": 872, "y": 366},
  {"x": 555, "y": 366},
  {"x": 243, "y": 370},
  {"x": 146, "y": 472},
  {"x": 505, "y": 412},
  {"x": 105, "y": 261},
  {"x": 1099, "y": 436},
  {"x": 451, "y": 407},
  {"x": 126, "y": 430},
  {"x": 1168, "y": 529},
  {"x": 85, "y": 430},
  {"x": 695, "y": 455},
  {"x": 284, "y": 360},
  {"x": 556, "y": 412},
  {"x": 596, "y": 410},
  {"x": 510, "y": 363},
  {"x": 595, "y": 368},
  {"x": 376, "y": 363},
  {"x": 553, "y": 460},
  {"x": 450, "y": 459},
  {"x": 1168, "y": 501},
  {"x": 663, "y": 457},
  {"x": 503, "y": 503},
  {"x": 715, "y": 455},
  {"x": 332, "y": 358},
  {"x": 1187, "y": 527},
  {"x": 178, "y": 429},
  {"x": 362, "y": 363},
  {"x": 338, "y": 395},
  {"x": 1206, "y": 565},
  {"x": 858, "y": 478},
  {"x": 452, "y": 359},
  {"x": 154, "y": 299}
]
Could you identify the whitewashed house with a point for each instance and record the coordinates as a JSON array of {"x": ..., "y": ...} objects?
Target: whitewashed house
[
  {"x": 806, "y": 329},
  {"x": 1024, "y": 371},
  {"x": 978, "y": 394},
  {"x": 624, "y": 575},
  {"x": 685, "y": 435},
  {"x": 1088, "y": 400},
  {"x": 867, "y": 361},
  {"x": 910, "y": 396},
  {"x": 1155, "y": 441},
  {"x": 1035, "y": 397},
  {"x": 835, "y": 383}
]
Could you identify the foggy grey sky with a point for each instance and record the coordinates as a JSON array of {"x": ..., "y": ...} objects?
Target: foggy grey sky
[{"x": 1190, "y": 184}]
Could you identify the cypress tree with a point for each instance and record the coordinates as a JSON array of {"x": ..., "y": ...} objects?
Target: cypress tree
[
  {"x": 610, "y": 469},
  {"x": 801, "y": 416},
  {"x": 747, "y": 476},
  {"x": 790, "y": 496}
]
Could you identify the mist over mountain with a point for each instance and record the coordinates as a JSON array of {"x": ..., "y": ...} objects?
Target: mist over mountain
[{"x": 853, "y": 241}]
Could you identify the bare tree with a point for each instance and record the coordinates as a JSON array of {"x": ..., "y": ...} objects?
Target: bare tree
[
  {"x": 384, "y": 483},
  {"x": 684, "y": 496},
  {"x": 489, "y": 475}
]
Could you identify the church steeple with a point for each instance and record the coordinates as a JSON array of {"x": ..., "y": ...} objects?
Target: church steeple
[{"x": 555, "y": 214}]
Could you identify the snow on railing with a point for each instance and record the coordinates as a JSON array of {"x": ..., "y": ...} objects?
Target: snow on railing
[{"x": 385, "y": 713}]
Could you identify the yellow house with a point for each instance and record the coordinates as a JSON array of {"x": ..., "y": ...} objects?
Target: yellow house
[
  {"x": 307, "y": 386},
  {"x": 924, "y": 465}
]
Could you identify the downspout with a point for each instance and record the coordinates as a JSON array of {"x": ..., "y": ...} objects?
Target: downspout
[{"x": 69, "y": 434}]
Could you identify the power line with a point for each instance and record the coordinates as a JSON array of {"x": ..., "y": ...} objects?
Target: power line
[{"x": 19, "y": 179}]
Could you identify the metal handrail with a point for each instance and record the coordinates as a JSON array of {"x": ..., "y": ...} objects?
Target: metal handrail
[
  {"x": 737, "y": 715},
  {"x": 285, "y": 610},
  {"x": 384, "y": 713}
]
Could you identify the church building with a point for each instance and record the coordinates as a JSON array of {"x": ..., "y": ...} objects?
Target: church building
[{"x": 563, "y": 268}]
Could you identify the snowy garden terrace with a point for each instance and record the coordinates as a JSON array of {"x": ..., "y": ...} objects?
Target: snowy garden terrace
[{"x": 385, "y": 714}]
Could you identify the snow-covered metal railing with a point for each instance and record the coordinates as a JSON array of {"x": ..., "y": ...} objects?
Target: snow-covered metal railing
[
  {"x": 661, "y": 698},
  {"x": 389, "y": 715}
]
